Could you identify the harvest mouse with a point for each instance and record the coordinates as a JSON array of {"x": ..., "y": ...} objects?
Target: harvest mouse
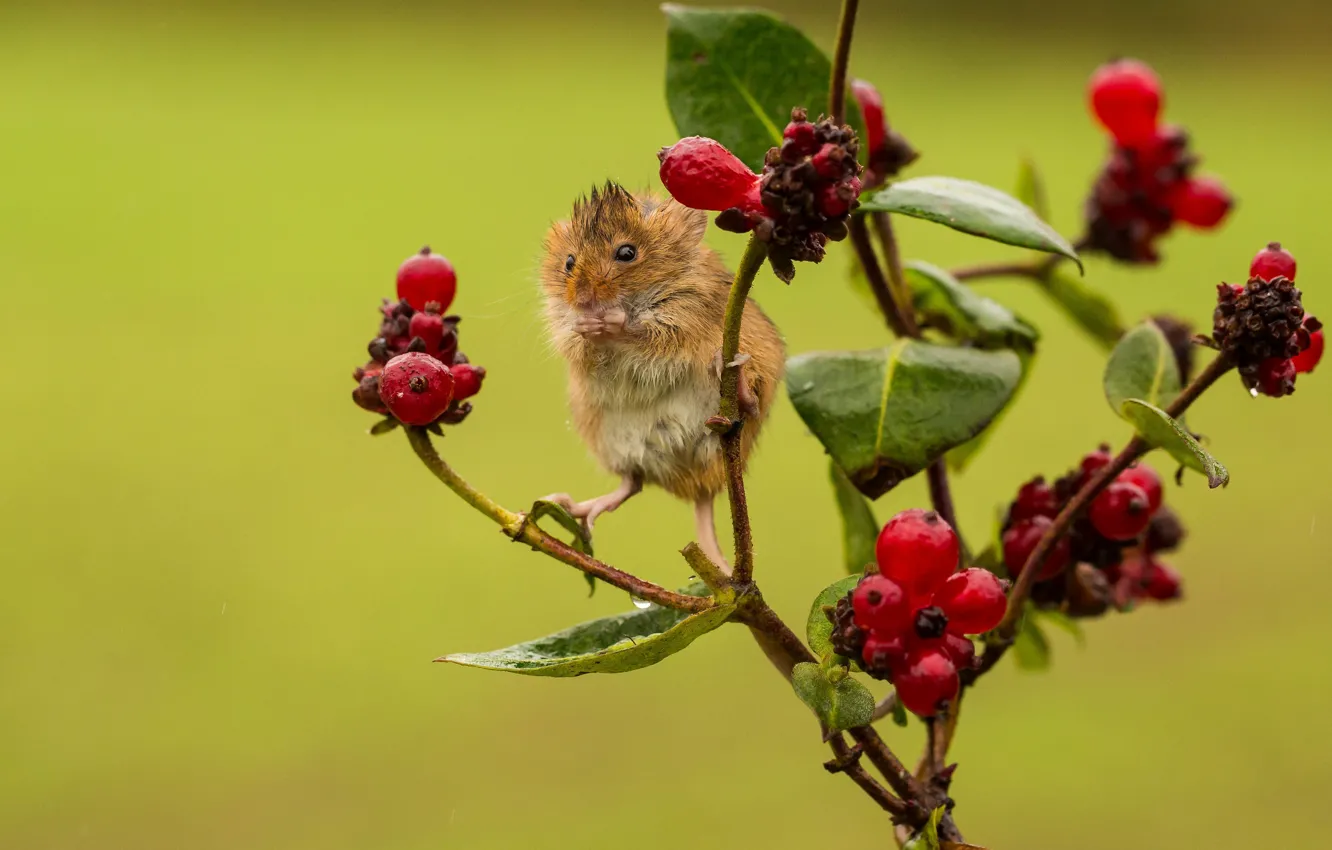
[{"x": 634, "y": 303}]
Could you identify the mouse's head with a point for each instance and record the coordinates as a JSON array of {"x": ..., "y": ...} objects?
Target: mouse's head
[{"x": 616, "y": 247}]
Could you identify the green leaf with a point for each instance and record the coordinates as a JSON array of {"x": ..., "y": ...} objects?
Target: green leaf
[
  {"x": 899, "y": 714},
  {"x": 885, "y": 415},
  {"x": 928, "y": 837},
  {"x": 1031, "y": 649},
  {"x": 1060, "y": 620},
  {"x": 615, "y": 644},
  {"x": 1089, "y": 309},
  {"x": 582, "y": 538},
  {"x": 735, "y": 74},
  {"x": 959, "y": 312},
  {"x": 1142, "y": 366},
  {"x": 860, "y": 530},
  {"x": 960, "y": 458},
  {"x": 1031, "y": 189},
  {"x": 839, "y": 705},
  {"x": 971, "y": 208},
  {"x": 383, "y": 426},
  {"x": 1157, "y": 427},
  {"x": 818, "y": 628}
]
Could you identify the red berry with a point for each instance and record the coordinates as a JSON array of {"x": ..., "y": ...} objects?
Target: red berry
[
  {"x": 430, "y": 328},
  {"x": 1201, "y": 202},
  {"x": 1146, "y": 478},
  {"x": 960, "y": 650},
  {"x": 1094, "y": 462},
  {"x": 826, "y": 163},
  {"x": 883, "y": 653},
  {"x": 871, "y": 109},
  {"x": 416, "y": 388},
  {"x": 801, "y": 134},
  {"x": 424, "y": 277},
  {"x": 880, "y": 606},
  {"x": 926, "y": 679},
  {"x": 831, "y": 203},
  {"x": 1307, "y": 359},
  {"x": 1126, "y": 98},
  {"x": 918, "y": 550},
  {"x": 1161, "y": 582},
  {"x": 703, "y": 175},
  {"x": 753, "y": 200},
  {"x": 1020, "y": 541},
  {"x": 973, "y": 601},
  {"x": 466, "y": 380},
  {"x": 1276, "y": 377},
  {"x": 1035, "y": 498},
  {"x": 1121, "y": 511},
  {"x": 1273, "y": 262}
]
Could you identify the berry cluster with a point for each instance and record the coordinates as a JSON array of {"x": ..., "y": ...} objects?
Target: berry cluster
[
  {"x": 1108, "y": 556},
  {"x": 1263, "y": 327},
  {"x": 886, "y": 150},
  {"x": 416, "y": 372},
  {"x": 907, "y": 622},
  {"x": 802, "y": 199},
  {"x": 1147, "y": 184}
]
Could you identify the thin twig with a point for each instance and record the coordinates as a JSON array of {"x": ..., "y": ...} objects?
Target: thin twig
[
  {"x": 517, "y": 528},
  {"x": 1031, "y": 270},
  {"x": 885, "y": 707},
  {"x": 860, "y": 240},
  {"x": 941, "y": 495},
  {"x": 711, "y": 574},
  {"x": 846, "y": 26},
  {"x": 883, "y": 226},
  {"x": 732, "y": 452},
  {"x": 847, "y": 760}
]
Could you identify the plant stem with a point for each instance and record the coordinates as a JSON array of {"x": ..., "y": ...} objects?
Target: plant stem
[
  {"x": 941, "y": 495},
  {"x": 1064, "y": 521},
  {"x": 1032, "y": 270},
  {"x": 516, "y": 527},
  {"x": 732, "y": 453},
  {"x": 846, "y": 26},
  {"x": 847, "y": 760},
  {"x": 883, "y": 294},
  {"x": 711, "y": 574},
  {"x": 886, "y": 706},
  {"x": 883, "y": 226}
]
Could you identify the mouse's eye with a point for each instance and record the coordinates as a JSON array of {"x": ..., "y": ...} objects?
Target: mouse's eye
[
  {"x": 625, "y": 253},
  {"x": 568, "y": 264}
]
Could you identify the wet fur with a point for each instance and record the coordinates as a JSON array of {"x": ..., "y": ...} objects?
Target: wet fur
[{"x": 640, "y": 401}]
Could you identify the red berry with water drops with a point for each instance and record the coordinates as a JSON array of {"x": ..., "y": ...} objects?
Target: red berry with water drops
[
  {"x": 466, "y": 380},
  {"x": 1035, "y": 498},
  {"x": 703, "y": 175},
  {"x": 1307, "y": 359},
  {"x": 918, "y": 550},
  {"x": 1121, "y": 511},
  {"x": 1276, "y": 377},
  {"x": 1020, "y": 541},
  {"x": 973, "y": 600},
  {"x": 416, "y": 388},
  {"x": 871, "y": 109},
  {"x": 925, "y": 680},
  {"x": 1126, "y": 98},
  {"x": 424, "y": 277},
  {"x": 1146, "y": 478},
  {"x": 1202, "y": 202},
  {"x": 1273, "y": 262},
  {"x": 881, "y": 606}
]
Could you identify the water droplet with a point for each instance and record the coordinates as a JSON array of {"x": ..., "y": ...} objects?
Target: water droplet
[
  {"x": 1254, "y": 392},
  {"x": 640, "y": 604}
]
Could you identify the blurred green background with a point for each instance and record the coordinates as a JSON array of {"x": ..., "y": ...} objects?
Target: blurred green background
[{"x": 221, "y": 598}]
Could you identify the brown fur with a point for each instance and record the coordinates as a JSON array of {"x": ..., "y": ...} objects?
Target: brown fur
[{"x": 634, "y": 398}]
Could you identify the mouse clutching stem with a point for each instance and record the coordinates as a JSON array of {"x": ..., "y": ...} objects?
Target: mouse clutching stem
[{"x": 634, "y": 303}]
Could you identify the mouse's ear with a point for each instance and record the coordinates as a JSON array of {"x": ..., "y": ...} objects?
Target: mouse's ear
[{"x": 673, "y": 222}]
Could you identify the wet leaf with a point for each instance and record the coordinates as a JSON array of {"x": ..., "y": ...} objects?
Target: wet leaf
[
  {"x": 960, "y": 312},
  {"x": 1157, "y": 427},
  {"x": 860, "y": 530},
  {"x": 735, "y": 74},
  {"x": 971, "y": 208},
  {"x": 1089, "y": 309},
  {"x": 818, "y": 628},
  {"x": 1142, "y": 366},
  {"x": 886, "y": 414},
  {"x": 615, "y": 644},
  {"x": 839, "y": 705}
]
